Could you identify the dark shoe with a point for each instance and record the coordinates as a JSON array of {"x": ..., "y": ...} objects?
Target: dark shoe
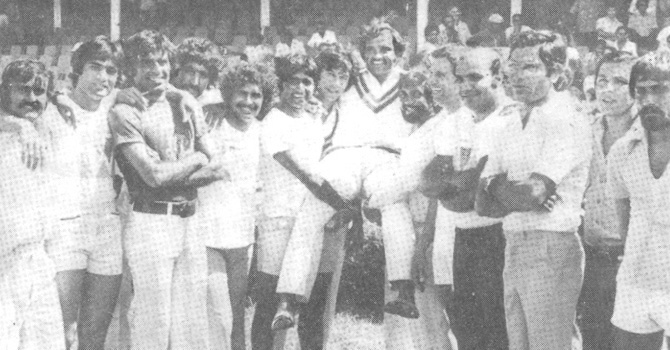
[
  {"x": 402, "y": 308},
  {"x": 284, "y": 319}
]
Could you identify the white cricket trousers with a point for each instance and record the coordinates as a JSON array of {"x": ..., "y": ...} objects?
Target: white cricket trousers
[
  {"x": 30, "y": 313},
  {"x": 348, "y": 171},
  {"x": 168, "y": 264}
]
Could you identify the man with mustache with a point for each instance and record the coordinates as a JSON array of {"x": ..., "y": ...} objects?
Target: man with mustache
[
  {"x": 603, "y": 247},
  {"x": 535, "y": 179},
  {"x": 164, "y": 155},
  {"x": 369, "y": 134},
  {"x": 227, "y": 207},
  {"x": 199, "y": 64},
  {"x": 639, "y": 185},
  {"x": 31, "y": 316},
  {"x": 462, "y": 148}
]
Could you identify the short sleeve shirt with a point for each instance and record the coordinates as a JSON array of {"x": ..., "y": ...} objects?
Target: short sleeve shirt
[
  {"x": 166, "y": 136},
  {"x": 467, "y": 142},
  {"x": 646, "y": 261},
  {"x": 302, "y": 139},
  {"x": 556, "y": 143},
  {"x": 227, "y": 207},
  {"x": 27, "y": 202}
]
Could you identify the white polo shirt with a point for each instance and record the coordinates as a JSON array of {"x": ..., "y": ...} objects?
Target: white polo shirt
[
  {"x": 646, "y": 261},
  {"x": 227, "y": 212},
  {"x": 556, "y": 143},
  {"x": 460, "y": 135},
  {"x": 302, "y": 138}
]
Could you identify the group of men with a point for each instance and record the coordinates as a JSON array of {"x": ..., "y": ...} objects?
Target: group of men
[{"x": 487, "y": 155}]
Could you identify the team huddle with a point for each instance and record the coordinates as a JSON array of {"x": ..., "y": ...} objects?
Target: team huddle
[{"x": 139, "y": 171}]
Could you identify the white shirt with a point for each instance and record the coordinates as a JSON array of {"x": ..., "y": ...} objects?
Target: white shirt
[
  {"x": 646, "y": 261},
  {"x": 27, "y": 202},
  {"x": 509, "y": 31},
  {"x": 297, "y": 47},
  {"x": 95, "y": 140},
  {"x": 227, "y": 207},
  {"x": 370, "y": 114},
  {"x": 63, "y": 163},
  {"x": 461, "y": 28},
  {"x": 316, "y": 40},
  {"x": 458, "y": 136},
  {"x": 629, "y": 47},
  {"x": 302, "y": 138},
  {"x": 608, "y": 25},
  {"x": 556, "y": 143}
]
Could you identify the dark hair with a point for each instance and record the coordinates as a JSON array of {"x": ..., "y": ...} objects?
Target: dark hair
[
  {"x": 613, "y": 57},
  {"x": 329, "y": 61},
  {"x": 551, "y": 49},
  {"x": 244, "y": 73},
  {"x": 432, "y": 27},
  {"x": 654, "y": 63},
  {"x": 417, "y": 77},
  {"x": 375, "y": 30},
  {"x": 23, "y": 71},
  {"x": 99, "y": 49},
  {"x": 143, "y": 44},
  {"x": 600, "y": 42},
  {"x": 443, "y": 52},
  {"x": 201, "y": 51},
  {"x": 288, "y": 66}
]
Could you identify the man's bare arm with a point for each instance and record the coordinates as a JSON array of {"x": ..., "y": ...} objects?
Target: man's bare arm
[
  {"x": 622, "y": 212},
  {"x": 322, "y": 190},
  {"x": 420, "y": 259},
  {"x": 485, "y": 203},
  {"x": 157, "y": 173},
  {"x": 434, "y": 177},
  {"x": 526, "y": 195}
]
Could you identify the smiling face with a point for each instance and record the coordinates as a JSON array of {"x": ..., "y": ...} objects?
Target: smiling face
[
  {"x": 97, "y": 79},
  {"x": 153, "y": 72},
  {"x": 443, "y": 83},
  {"x": 612, "y": 92},
  {"x": 475, "y": 81},
  {"x": 246, "y": 103},
  {"x": 193, "y": 77},
  {"x": 28, "y": 100},
  {"x": 297, "y": 90},
  {"x": 380, "y": 56},
  {"x": 528, "y": 79},
  {"x": 332, "y": 84}
]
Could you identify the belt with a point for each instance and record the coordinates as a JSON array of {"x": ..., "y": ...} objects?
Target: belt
[{"x": 182, "y": 209}]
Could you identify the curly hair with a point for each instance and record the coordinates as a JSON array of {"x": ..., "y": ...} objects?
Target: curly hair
[
  {"x": 418, "y": 77},
  {"x": 553, "y": 53},
  {"x": 21, "y": 72},
  {"x": 201, "y": 51},
  {"x": 655, "y": 64},
  {"x": 290, "y": 65},
  {"x": 243, "y": 73},
  {"x": 375, "y": 29},
  {"x": 99, "y": 49},
  {"x": 141, "y": 45}
]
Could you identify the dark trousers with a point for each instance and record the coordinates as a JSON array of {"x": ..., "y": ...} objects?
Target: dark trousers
[
  {"x": 596, "y": 302},
  {"x": 479, "y": 309}
]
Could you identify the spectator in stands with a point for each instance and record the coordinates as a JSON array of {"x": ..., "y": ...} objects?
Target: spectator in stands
[
  {"x": 602, "y": 244},
  {"x": 517, "y": 28},
  {"x": 623, "y": 44},
  {"x": 607, "y": 26},
  {"x": 491, "y": 36},
  {"x": 461, "y": 28},
  {"x": 592, "y": 59},
  {"x": 432, "y": 35},
  {"x": 288, "y": 44},
  {"x": 447, "y": 32},
  {"x": 642, "y": 22},
  {"x": 586, "y": 13},
  {"x": 322, "y": 36}
]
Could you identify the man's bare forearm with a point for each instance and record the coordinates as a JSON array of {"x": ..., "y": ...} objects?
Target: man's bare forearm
[
  {"x": 526, "y": 195},
  {"x": 486, "y": 204},
  {"x": 157, "y": 173},
  {"x": 622, "y": 210},
  {"x": 208, "y": 174}
]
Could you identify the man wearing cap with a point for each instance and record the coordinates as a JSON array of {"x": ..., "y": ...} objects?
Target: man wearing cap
[{"x": 492, "y": 35}]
